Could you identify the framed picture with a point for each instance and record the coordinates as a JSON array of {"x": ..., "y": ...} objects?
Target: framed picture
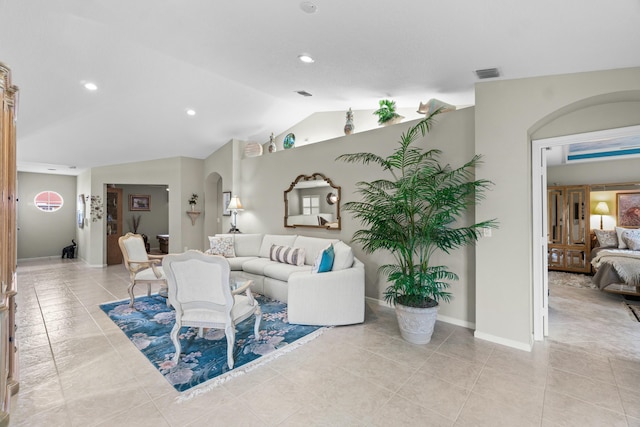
[
  {"x": 226, "y": 198},
  {"x": 628, "y": 209},
  {"x": 139, "y": 202}
]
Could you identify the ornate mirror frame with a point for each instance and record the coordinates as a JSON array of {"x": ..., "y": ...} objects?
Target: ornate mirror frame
[{"x": 329, "y": 195}]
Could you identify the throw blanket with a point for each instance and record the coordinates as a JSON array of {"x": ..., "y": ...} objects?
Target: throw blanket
[{"x": 625, "y": 262}]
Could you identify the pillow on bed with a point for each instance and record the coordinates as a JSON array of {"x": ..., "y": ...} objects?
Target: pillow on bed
[
  {"x": 632, "y": 239},
  {"x": 621, "y": 243},
  {"x": 607, "y": 238}
]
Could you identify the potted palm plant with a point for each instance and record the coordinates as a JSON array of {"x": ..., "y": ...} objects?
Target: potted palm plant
[
  {"x": 387, "y": 113},
  {"x": 412, "y": 214}
]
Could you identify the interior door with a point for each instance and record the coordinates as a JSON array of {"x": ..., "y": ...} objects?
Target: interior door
[{"x": 114, "y": 225}]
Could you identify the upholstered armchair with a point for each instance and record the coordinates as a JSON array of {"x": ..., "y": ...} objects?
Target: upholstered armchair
[
  {"x": 143, "y": 268},
  {"x": 200, "y": 292}
]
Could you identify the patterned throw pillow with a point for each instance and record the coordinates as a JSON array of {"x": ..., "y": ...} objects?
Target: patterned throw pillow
[
  {"x": 324, "y": 261},
  {"x": 287, "y": 255},
  {"x": 621, "y": 243},
  {"x": 221, "y": 246},
  {"x": 607, "y": 238},
  {"x": 632, "y": 239}
]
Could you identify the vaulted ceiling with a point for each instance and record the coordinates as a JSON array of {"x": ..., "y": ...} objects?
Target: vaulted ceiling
[{"x": 235, "y": 63}]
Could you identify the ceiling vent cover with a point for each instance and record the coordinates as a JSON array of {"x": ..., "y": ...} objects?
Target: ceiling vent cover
[
  {"x": 488, "y": 73},
  {"x": 303, "y": 93}
]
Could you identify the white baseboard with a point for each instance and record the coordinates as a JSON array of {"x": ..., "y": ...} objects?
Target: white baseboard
[{"x": 503, "y": 341}]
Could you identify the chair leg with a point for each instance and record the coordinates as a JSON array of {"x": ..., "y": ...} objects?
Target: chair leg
[
  {"x": 256, "y": 327},
  {"x": 176, "y": 341},
  {"x": 230, "y": 332},
  {"x": 131, "y": 294},
  {"x": 148, "y": 289}
]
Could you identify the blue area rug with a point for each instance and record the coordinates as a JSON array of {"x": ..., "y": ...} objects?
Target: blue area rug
[{"x": 149, "y": 323}]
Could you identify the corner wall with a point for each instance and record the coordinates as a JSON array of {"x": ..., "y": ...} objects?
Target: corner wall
[
  {"x": 507, "y": 113},
  {"x": 261, "y": 181}
]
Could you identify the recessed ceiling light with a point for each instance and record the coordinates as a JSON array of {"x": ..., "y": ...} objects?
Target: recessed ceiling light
[
  {"x": 306, "y": 58},
  {"x": 191, "y": 112},
  {"x": 90, "y": 86},
  {"x": 308, "y": 7}
]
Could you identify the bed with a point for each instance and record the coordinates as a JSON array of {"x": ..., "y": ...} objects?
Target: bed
[{"x": 615, "y": 259}]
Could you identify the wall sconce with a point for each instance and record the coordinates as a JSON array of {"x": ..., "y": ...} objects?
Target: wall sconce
[
  {"x": 234, "y": 206},
  {"x": 602, "y": 208}
]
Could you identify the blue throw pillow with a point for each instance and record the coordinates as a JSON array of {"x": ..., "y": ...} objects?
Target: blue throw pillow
[{"x": 324, "y": 261}]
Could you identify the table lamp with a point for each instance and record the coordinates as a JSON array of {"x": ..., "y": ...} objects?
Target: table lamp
[
  {"x": 602, "y": 208},
  {"x": 235, "y": 205}
]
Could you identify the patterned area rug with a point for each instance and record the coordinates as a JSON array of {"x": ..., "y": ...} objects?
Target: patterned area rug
[
  {"x": 204, "y": 361},
  {"x": 560, "y": 278}
]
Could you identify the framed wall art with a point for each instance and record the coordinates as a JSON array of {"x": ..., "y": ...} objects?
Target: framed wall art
[
  {"x": 139, "y": 202},
  {"x": 226, "y": 198},
  {"x": 628, "y": 209}
]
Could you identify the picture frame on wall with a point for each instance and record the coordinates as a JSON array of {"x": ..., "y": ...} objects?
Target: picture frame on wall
[
  {"x": 628, "y": 209},
  {"x": 139, "y": 202},
  {"x": 226, "y": 198}
]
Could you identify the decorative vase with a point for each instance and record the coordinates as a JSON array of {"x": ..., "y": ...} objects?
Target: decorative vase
[
  {"x": 272, "y": 144},
  {"x": 193, "y": 207},
  {"x": 289, "y": 141},
  {"x": 416, "y": 324},
  {"x": 349, "y": 127}
]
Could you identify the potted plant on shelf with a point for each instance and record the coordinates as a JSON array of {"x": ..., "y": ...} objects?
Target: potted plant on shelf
[
  {"x": 417, "y": 211},
  {"x": 193, "y": 201},
  {"x": 387, "y": 113}
]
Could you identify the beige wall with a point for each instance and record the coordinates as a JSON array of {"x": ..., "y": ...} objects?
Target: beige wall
[
  {"x": 508, "y": 113},
  {"x": 42, "y": 234},
  {"x": 182, "y": 175},
  {"x": 261, "y": 182}
]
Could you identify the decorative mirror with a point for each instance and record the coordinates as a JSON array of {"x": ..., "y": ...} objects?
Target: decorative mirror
[{"x": 312, "y": 201}]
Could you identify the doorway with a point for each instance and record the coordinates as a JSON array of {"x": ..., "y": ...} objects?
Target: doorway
[
  {"x": 114, "y": 225},
  {"x": 598, "y": 153}
]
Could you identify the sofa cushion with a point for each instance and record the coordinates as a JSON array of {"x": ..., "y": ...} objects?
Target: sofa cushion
[
  {"x": 245, "y": 244},
  {"x": 324, "y": 261},
  {"x": 221, "y": 245},
  {"x": 235, "y": 264},
  {"x": 273, "y": 239},
  {"x": 313, "y": 246},
  {"x": 256, "y": 266},
  {"x": 287, "y": 254},
  {"x": 280, "y": 271},
  {"x": 343, "y": 258}
]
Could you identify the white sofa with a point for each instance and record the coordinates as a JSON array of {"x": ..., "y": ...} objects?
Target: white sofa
[{"x": 334, "y": 297}]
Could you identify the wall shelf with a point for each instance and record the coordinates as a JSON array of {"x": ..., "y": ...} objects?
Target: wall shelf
[{"x": 193, "y": 215}]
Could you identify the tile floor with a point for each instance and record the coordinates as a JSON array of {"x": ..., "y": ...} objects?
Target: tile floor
[{"x": 78, "y": 369}]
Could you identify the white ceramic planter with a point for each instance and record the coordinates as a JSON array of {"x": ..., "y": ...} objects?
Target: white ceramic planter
[{"x": 416, "y": 324}]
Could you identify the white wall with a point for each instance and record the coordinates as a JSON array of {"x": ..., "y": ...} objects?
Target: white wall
[{"x": 508, "y": 112}]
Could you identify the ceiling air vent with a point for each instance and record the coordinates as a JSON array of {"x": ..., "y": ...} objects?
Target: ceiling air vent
[
  {"x": 488, "y": 73},
  {"x": 303, "y": 93}
]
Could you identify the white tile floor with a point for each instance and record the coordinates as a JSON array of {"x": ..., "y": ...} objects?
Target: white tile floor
[{"x": 79, "y": 369}]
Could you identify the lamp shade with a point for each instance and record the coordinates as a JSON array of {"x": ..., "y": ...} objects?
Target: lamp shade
[
  {"x": 235, "y": 204},
  {"x": 602, "y": 208}
]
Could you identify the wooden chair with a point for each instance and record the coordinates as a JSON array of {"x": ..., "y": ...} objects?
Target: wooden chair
[
  {"x": 143, "y": 268},
  {"x": 200, "y": 292}
]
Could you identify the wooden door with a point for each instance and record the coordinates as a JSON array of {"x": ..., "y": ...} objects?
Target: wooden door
[{"x": 114, "y": 225}]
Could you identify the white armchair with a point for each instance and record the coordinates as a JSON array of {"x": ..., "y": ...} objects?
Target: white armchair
[
  {"x": 143, "y": 268},
  {"x": 200, "y": 292}
]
